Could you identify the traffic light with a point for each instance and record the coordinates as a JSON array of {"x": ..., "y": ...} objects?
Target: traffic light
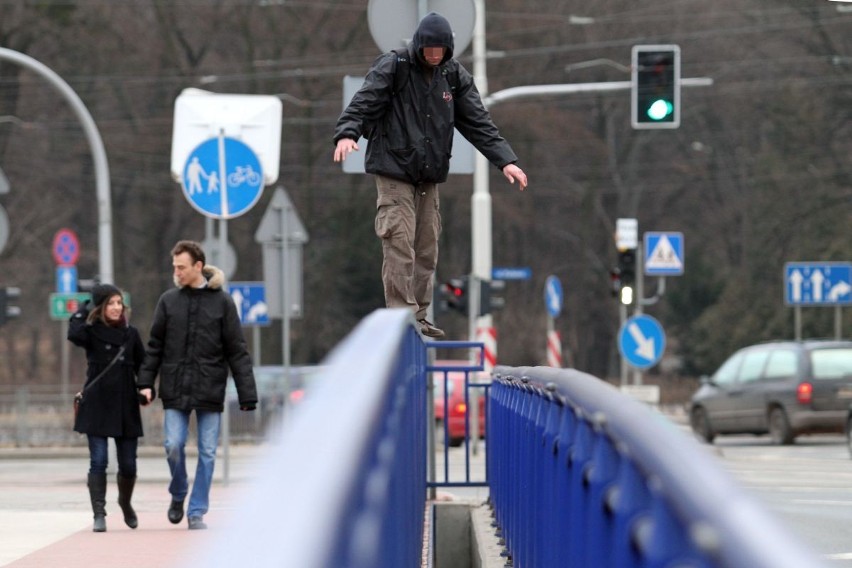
[
  {"x": 655, "y": 86},
  {"x": 8, "y": 312},
  {"x": 454, "y": 294},
  {"x": 488, "y": 301},
  {"x": 627, "y": 274},
  {"x": 615, "y": 282}
]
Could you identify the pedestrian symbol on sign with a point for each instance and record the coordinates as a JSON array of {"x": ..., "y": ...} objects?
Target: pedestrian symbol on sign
[
  {"x": 663, "y": 254},
  {"x": 222, "y": 178}
]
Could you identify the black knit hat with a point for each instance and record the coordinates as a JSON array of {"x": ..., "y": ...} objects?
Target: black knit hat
[{"x": 101, "y": 293}]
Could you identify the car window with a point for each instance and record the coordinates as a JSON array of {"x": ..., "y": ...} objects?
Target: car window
[
  {"x": 752, "y": 367},
  {"x": 727, "y": 373},
  {"x": 831, "y": 363},
  {"x": 782, "y": 363}
]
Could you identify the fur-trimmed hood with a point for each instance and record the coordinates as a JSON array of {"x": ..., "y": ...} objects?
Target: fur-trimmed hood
[{"x": 214, "y": 275}]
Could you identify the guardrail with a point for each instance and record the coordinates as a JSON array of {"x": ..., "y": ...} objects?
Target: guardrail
[
  {"x": 345, "y": 484},
  {"x": 582, "y": 475},
  {"x": 441, "y": 382}
]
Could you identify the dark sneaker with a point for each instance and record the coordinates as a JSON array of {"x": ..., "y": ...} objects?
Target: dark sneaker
[
  {"x": 176, "y": 512},
  {"x": 428, "y": 329},
  {"x": 197, "y": 524}
]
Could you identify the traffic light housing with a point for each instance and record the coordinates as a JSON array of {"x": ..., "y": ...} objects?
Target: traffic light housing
[
  {"x": 655, "y": 86},
  {"x": 626, "y": 275},
  {"x": 454, "y": 294},
  {"x": 488, "y": 300},
  {"x": 7, "y": 311}
]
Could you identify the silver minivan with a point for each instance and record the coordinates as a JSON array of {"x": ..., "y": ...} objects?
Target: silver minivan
[{"x": 781, "y": 388}]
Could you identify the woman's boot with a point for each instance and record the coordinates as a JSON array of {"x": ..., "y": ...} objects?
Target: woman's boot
[
  {"x": 125, "y": 492},
  {"x": 97, "y": 494}
]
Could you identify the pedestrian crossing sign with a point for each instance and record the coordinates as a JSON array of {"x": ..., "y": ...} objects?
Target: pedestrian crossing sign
[{"x": 663, "y": 254}]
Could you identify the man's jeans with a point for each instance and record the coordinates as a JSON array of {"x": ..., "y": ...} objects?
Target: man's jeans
[{"x": 176, "y": 431}]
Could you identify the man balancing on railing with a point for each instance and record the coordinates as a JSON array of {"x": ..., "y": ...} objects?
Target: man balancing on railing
[{"x": 409, "y": 121}]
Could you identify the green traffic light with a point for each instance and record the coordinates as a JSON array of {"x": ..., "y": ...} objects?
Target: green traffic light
[{"x": 660, "y": 109}]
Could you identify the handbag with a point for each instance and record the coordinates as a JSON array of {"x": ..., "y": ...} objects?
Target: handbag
[{"x": 78, "y": 396}]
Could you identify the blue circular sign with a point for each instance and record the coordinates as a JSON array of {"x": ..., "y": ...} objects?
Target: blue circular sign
[
  {"x": 222, "y": 178},
  {"x": 641, "y": 341},
  {"x": 553, "y": 296}
]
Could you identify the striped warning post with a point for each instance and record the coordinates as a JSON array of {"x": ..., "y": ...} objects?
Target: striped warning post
[
  {"x": 488, "y": 336},
  {"x": 554, "y": 349}
]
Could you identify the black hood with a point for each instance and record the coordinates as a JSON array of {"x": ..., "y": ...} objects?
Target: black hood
[{"x": 434, "y": 31}]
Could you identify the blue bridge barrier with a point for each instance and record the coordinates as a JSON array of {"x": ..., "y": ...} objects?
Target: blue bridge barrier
[
  {"x": 579, "y": 475},
  {"x": 583, "y": 476}
]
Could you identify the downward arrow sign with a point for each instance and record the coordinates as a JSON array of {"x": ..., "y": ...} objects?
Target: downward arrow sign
[{"x": 644, "y": 345}]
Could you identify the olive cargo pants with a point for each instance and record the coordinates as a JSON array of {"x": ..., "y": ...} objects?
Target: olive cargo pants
[{"x": 409, "y": 222}]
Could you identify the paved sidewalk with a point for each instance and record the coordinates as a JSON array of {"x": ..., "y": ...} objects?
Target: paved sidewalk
[{"x": 46, "y": 518}]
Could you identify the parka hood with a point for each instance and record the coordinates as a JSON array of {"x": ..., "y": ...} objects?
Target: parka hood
[{"x": 434, "y": 31}]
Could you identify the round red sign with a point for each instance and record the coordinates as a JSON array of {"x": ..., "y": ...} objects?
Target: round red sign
[{"x": 66, "y": 247}]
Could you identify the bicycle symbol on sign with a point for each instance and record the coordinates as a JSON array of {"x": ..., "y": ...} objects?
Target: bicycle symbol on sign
[{"x": 243, "y": 174}]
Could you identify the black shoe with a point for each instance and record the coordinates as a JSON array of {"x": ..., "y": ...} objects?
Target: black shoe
[
  {"x": 428, "y": 329},
  {"x": 197, "y": 524},
  {"x": 176, "y": 512}
]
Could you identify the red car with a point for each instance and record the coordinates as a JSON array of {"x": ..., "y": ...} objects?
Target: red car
[{"x": 456, "y": 407}]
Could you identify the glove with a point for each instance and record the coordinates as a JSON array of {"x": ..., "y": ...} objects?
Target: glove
[{"x": 251, "y": 406}]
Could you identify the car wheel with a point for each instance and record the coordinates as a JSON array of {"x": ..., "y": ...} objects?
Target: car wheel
[
  {"x": 456, "y": 442},
  {"x": 701, "y": 425},
  {"x": 779, "y": 427}
]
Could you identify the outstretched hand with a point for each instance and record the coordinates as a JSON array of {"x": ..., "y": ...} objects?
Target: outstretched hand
[
  {"x": 345, "y": 146},
  {"x": 513, "y": 172}
]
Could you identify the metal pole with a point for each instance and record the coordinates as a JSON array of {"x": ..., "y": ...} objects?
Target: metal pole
[
  {"x": 797, "y": 322},
  {"x": 65, "y": 356},
  {"x": 622, "y": 317},
  {"x": 838, "y": 318},
  {"x": 637, "y": 297},
  {"x": 98, "y": 156},
  {"x": 283, "y": 214},
  {"x": 481, "y": 199}
]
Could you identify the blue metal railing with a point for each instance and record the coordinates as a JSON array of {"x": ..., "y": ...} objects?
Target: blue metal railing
[
  {"x": 441, "y": 373},
  {"x": 582, "y": 476},
  {"x": 345, "y": 485}
]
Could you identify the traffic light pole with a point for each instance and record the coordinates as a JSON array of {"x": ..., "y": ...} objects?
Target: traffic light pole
[{"x": 98, "y": 155}]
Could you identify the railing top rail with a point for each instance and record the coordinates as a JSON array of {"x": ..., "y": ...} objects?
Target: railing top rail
[
  {"x": 697, "y": 487},
  {"x": 301, "y": 489}
]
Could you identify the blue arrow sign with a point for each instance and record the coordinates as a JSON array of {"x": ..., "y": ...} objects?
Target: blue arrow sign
[
  {"x": 222, "y": 178},
  {"x": 250, "y": 299},
  {"x": 553, "y": 296},
  {"x": 66, "y": 279},
  {"x": 641, "y": 341},
  {"x": 818, "y": 283},
  {"x": 663, "y": 254}
]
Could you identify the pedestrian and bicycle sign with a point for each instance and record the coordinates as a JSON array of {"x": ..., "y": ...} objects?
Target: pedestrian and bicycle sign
[
  {"x": 641, "y": 341},
  {"x": 222, "y": 178},
  {"x": 663, "y": 254},
  {"x": 818, "y": 283}
]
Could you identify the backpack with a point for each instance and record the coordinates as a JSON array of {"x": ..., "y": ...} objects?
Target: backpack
[{"x": 401, "y": 72}]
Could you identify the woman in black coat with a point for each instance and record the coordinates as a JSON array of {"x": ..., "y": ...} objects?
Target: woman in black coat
[{"x": 110, "y": 405}]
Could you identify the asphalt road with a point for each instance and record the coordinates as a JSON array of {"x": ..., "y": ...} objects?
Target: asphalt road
[{"x": 808, "y": 485}]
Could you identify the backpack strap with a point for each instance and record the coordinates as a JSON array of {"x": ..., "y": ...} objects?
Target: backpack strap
[{"x": 401, "y": 69}]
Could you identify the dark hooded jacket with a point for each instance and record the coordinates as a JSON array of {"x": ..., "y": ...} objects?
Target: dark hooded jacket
[
  {"x": 413, "y": 135},
  {"x": 195, "y": 339},
  {"x": 110, "y": 407}
]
